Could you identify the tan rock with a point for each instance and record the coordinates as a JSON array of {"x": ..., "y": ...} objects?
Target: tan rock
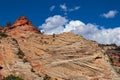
[{"x": 66, "y": 56}]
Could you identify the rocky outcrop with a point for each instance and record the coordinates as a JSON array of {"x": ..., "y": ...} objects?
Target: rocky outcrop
[
  {"x": 12, "y": 60},
  {"x": 65, "y": 56},
  {"x": 21, "y": 21},
  {"x": 114, "y": 55},
  {"x": 21, "y": 26},
  {"x": 24, "y": 24}
]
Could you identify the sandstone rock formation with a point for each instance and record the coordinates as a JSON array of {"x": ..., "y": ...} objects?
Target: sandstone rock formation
[
  {"x": 65, "y": 56},
  {"x": 22, "y": 21},
  {"x": 21, "y": 26},
  {"x": 11, "y": 61}
]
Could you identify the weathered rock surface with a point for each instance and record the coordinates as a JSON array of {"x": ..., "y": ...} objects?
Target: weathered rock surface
[
  {"x": 68, "y": 57},
  {"x": 21, "y": 26},
  {"x": 10, "y": 61},
  {"x": 22, "y": 21},
  {"x": 64, "y": 57}
]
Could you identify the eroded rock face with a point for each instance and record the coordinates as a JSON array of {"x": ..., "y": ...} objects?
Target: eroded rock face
[
  {"x": 65, "y": 56},
  {"x": 11, "y": 61},
  {"x": 114, "y": 55},
  {"x": 21, "y": 21},
  {"x": 21, "y": 26}
]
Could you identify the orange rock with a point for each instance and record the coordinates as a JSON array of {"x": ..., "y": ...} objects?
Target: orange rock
[
  {"x": 22, "y": 21},
  {"x": 21, "y": 26}
]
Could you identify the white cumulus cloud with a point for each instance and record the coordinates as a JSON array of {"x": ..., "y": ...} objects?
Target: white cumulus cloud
[
  {"x": 54, "y": 24},
  {"x": 52, "y": 8},
  {"x": 110, "y": 14},
  {"x": 92, "y": 32},
  {"x": 58, "y": 24}
]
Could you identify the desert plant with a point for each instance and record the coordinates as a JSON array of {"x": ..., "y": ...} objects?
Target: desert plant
[
  {"x": 46, "y": 77},
  {"x": 119, "y": 59},
  {"x": 118, "y": 71},
  {"x": 20, "y": 54},
  {"x": 32, "y": 70},
  {"x": 111, "y": 61},
  {"x": 53, "y": 35},
  {"x": 8, "y": 24},
  {"x": 12, "y": 77},
  {"x": 38, "y": 75},
  {"x": 25, "y": 60},
  {"x": 14, "y": 40},
  {"x": 3, "y": 35},
  {"x": 1, "y": 67},
  {"x": 56, "y": 79}
]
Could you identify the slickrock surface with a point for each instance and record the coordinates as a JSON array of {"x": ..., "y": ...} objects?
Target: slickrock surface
[
  {"x": 10, "y": 61},
  {"x": 65, "y": 56}
]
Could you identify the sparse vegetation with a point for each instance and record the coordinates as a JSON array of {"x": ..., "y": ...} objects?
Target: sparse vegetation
[
  {"x": 46, "y": 77},
  {"x": 14, "y": 40},
  {"x": 12, "y": 77},
  {"x": 117, "y": 48},
  {"x": 53, "y": 37},
  {"x": 103, "y": 45},
  {"x": 111, "y": 61},
  {"x": 1, "y": 67},
  {"x": 38, "y": 75},
  {"x": 25, "y": 60},
  {"x": 56, "y": 79},
  {"x": 20, "y": 54},
  {"x": 45, "y": 42},
  {"x": 119, "y": 59},
  {"x": 3, "y": 35},
  {"x": 118, "y": 71},
  {"x": 32, "y": 70},
  {"x": 8, "y": 24}
]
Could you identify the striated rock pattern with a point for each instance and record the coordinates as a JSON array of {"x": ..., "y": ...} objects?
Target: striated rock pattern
[
  {"x": 65, "y": 56},
  {"x": 11, "y": 62},
  {"x": 68, "y": 57}
]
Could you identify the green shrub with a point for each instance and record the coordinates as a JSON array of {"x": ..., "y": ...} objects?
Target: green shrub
[
  {"x": 32, "y": 70},
  {"x": 3, "y": 35},
  {"x": 25, "y": 60},
  {"x": 14, "y": 40},
  {"x": 46, "y": 77},
  {"x": 38, "y": 75},
  {"x": 20, "y": 54},
  {"x": 8, "y": 24},
  {"x": 56, "y": 79},
  {"x": 111, "y": 61},
  {"x": 53, "y": 35},
  {"x": 12, "y": 77},
  {"x": 118, "y": 71}
]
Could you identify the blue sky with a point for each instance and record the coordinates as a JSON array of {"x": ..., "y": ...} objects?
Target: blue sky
[
  {"x": 97, "y": 20},
  {"x": 38, "y": 10}
]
